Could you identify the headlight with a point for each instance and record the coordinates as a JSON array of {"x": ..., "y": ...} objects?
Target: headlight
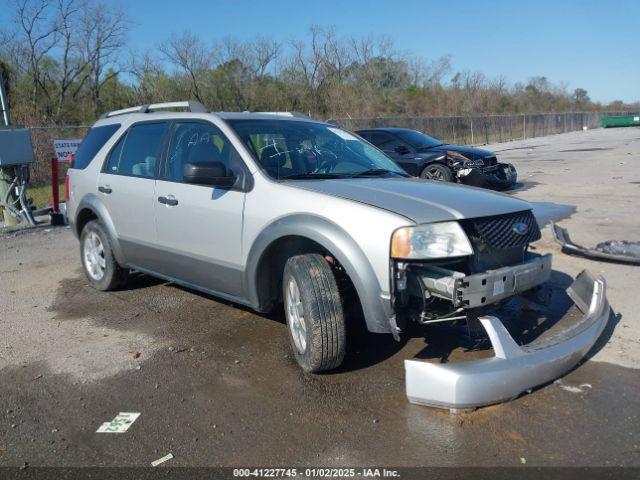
[
  {"x": 436, "y": 240},
  {"x": 456, "y": 156}
]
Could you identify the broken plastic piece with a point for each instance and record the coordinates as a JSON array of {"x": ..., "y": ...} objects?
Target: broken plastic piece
[
  {"x": 612, "y": 250},
  {"x": 573, "y": 389},
  {"x": 514, "y": 369},
  {"x": 620, "y": 247},
  {"x": 157, "y": 462}
]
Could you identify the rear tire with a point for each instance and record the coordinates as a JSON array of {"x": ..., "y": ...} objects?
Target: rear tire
[
  {"x": 99, "y": 265},
  {"x": 314, "y": 313},
  {"x": 437, "y": 172}
]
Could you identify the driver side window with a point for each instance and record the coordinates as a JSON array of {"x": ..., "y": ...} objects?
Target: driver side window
[
  {"x": 386, "y": 142},
  {"x": 197, "y": 142}
]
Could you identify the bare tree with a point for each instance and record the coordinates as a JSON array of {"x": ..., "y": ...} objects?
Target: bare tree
[
  {"x": 103, "y": 37},
  {"x": 337, "y": 56},
  {"x": 307, "y": 67},
  {"x": 72, "y": 64},
  {"x": 146, "y": 70},
  {"x": 264, "y": 53},
  {"x": 188, "y": 53},
  {"x": 37, "y": 35}
]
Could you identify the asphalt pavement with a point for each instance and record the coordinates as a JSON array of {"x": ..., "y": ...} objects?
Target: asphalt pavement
[{"x": 215, "y": 384}]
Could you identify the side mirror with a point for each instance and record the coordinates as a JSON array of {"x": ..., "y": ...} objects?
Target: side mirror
[
  {"x": 401, "y": 149},
  {"x": 209, "y": 173}
]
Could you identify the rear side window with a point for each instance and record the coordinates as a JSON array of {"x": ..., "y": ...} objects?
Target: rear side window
[
  {"x": 94, "y": 141},
  {"x": 114, "y": 156},
  {"x": 141, "y": 151}
]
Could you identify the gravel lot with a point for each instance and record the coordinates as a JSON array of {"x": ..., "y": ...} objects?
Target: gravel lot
[{"x": 215, "y": 383}]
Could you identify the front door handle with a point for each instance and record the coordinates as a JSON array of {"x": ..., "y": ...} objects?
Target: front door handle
[
  {"x": 106, "y": 189},
  {"x": 169, "y": 200}
]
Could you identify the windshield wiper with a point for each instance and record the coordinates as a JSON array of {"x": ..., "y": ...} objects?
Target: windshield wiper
[
  {"x": 311, "y": 175},
  {"x": 375, "y": 172}
]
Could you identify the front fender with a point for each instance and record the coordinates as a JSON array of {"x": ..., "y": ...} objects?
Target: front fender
[
  {"x": 93, "y": 203},
  {"x": 376, "y": 309}
]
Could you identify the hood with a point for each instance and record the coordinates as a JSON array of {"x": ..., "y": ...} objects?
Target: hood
[
  {"x": 471, "y": 152},
  {"x": 421, "y": 201}
]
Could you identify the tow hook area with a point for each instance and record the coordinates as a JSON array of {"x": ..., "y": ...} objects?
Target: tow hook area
[{"x": 464, "y": 386}]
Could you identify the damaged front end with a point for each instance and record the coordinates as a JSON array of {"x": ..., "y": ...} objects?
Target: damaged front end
[
  {"x": 501, "y": 266},
  {"x": 471, "y": 289},
  {"x": 502, "y": 176},
  {"x": 482, "y": 172},
  {"x": 515, "y": 368}
]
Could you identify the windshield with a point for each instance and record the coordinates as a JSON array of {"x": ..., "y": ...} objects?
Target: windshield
[
  {"x": 299, "y": 150},
  {"x": 418, "y": 139}
]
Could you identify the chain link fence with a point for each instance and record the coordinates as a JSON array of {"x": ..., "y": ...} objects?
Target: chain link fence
[
  {"x": 482, "y": 129},
  {"x": 474, "y": 129},
  {"x": 42, "y": 139}
]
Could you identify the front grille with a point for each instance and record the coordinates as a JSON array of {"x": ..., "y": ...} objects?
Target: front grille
[
  {"x": 499, "y": 231},
  {"x": 491, "y": 161}
]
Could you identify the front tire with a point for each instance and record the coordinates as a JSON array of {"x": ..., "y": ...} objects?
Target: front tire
[
  {"x": 99, "y": 264},
  {"x": 437, "y": 172},
  {"x": 314, "y": 313}
]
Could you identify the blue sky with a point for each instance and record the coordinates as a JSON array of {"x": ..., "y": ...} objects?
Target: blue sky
[{"x": 590, "y": 44}]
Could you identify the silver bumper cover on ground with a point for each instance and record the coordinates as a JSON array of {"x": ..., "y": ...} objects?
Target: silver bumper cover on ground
[{"x": 514, "y": 369}]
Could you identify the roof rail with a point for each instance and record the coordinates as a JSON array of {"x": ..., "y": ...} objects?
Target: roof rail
[
  {"x": 286, "y": 114},
  {"x": 190, "y": 105}
]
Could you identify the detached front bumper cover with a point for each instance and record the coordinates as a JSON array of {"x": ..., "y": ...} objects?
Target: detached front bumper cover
[
  {"x": 514, "y": 369},
  {"x": 561, "y": 236}
]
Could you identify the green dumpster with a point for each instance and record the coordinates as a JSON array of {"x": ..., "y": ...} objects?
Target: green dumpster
[{"x": 621, "y": 121}]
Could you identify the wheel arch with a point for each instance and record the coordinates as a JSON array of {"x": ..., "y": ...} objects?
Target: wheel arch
[
  {"x": 299, "y": 234},
  {"x": 426, "y": 162},
  {"x": 92, "y": 208}
]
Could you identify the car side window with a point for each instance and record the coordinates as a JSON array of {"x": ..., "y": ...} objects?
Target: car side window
[
  {"x": 366, "y": 136},
  {"x": 92, "y": 143},
  {"x": 141, "y": 150},
  {"x": 198, "y": 142},
  {"x": 114, "y": 157},
  {"x": 385, "y": 142}
]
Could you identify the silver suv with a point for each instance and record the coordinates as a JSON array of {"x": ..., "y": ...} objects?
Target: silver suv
[{"x": 269, "y": 209}]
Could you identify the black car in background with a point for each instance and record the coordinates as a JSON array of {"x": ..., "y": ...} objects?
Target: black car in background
[{"x": 426, "y": 157}]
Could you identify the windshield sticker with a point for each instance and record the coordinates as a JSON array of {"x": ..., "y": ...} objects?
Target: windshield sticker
[{"x": 342, "y": 134}]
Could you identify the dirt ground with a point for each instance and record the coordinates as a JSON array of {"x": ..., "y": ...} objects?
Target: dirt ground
[{"x": 216, "y": 385}]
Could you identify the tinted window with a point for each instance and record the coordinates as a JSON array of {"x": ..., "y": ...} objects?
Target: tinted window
[
  {"x": 142, "y": 149},
  {"x": 93, "y": 142},
  {"x": 418, "y": 139},
  {"x": 384, "y": 141},
  {"x": 114, "y": 156},
  {"x": 193, "y": 142},
  {"x": 365, "y": 135}
]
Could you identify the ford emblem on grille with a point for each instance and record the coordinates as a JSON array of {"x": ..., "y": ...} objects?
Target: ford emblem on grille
[{"x": 520, "y": 228}]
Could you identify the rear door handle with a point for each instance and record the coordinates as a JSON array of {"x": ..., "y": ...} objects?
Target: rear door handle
[
  {"x": 105, "y": 189},
  {"x": 169, "y": 200}
]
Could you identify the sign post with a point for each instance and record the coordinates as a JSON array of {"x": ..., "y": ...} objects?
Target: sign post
[
  {"x": 55, "y": 194},
  {"x": 63, "y": 148}
]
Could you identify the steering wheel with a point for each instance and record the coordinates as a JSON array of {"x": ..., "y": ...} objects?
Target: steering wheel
[{"x": 326, "y": 164}]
